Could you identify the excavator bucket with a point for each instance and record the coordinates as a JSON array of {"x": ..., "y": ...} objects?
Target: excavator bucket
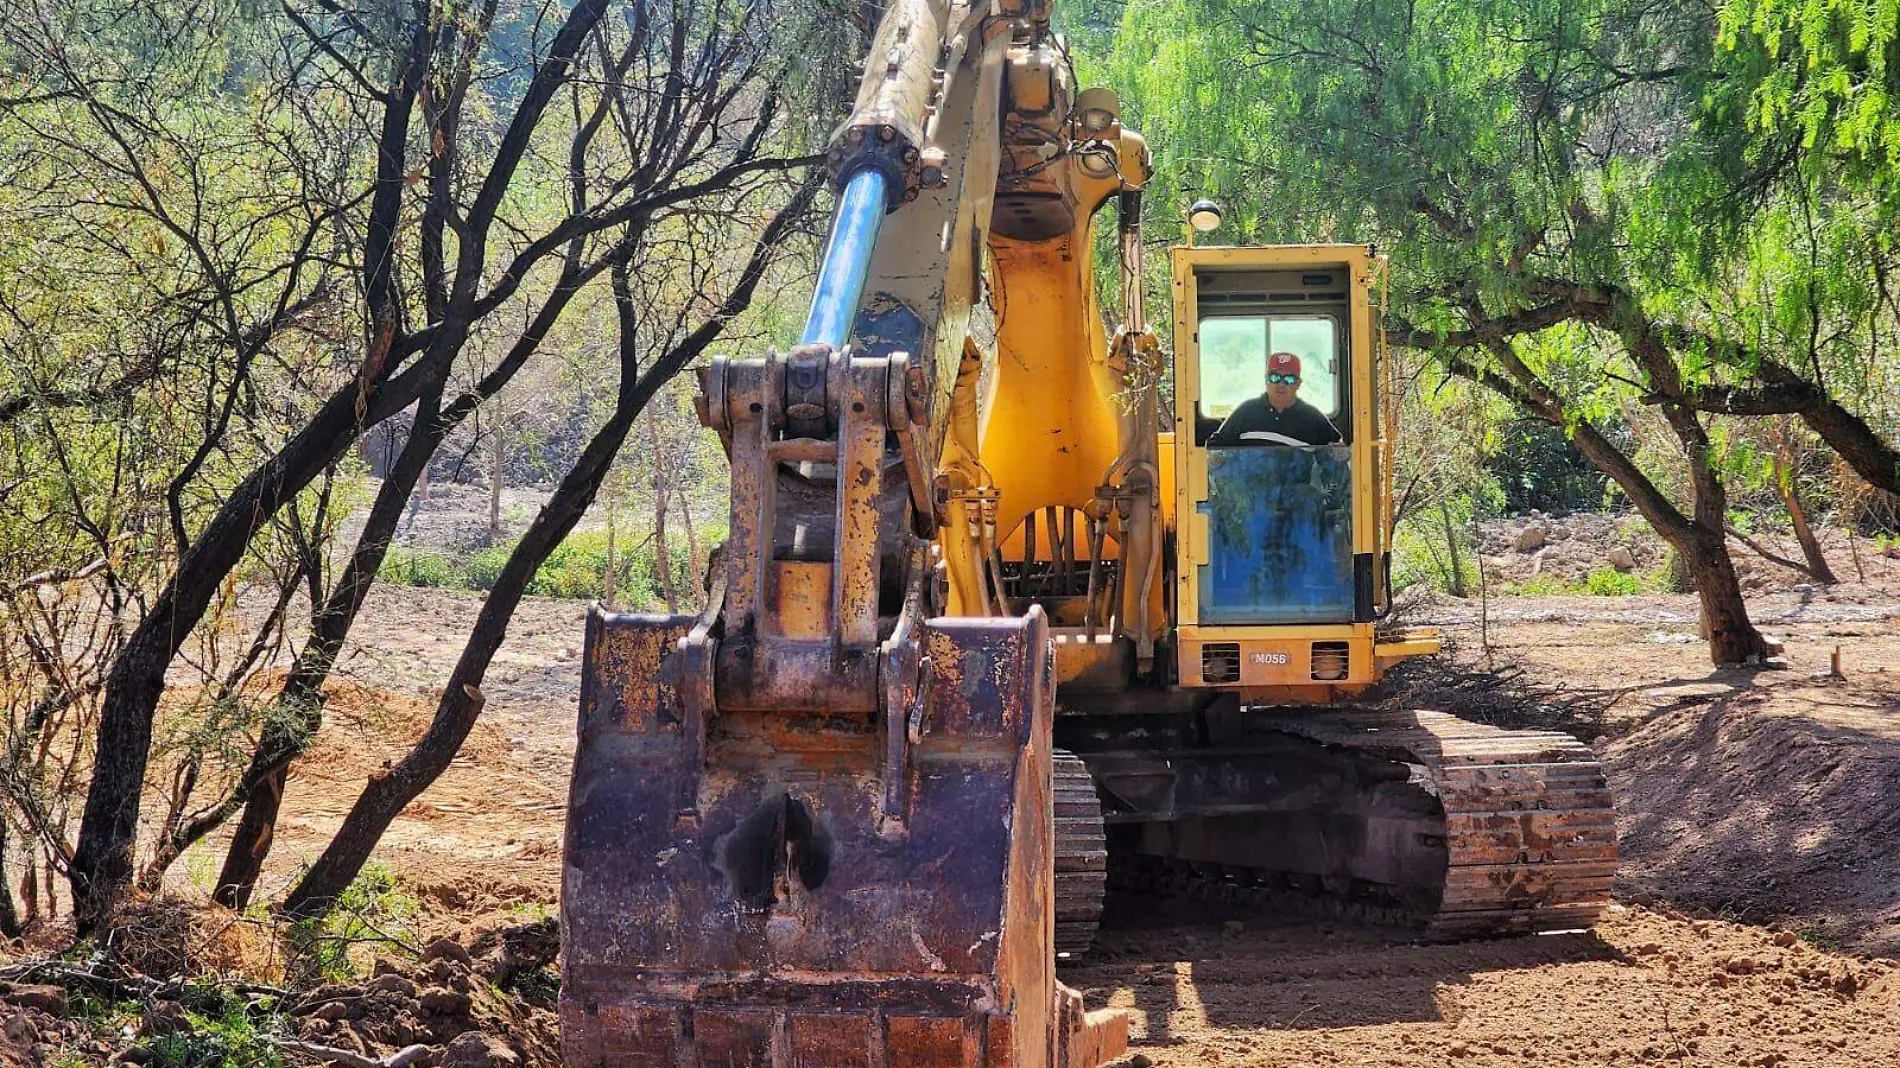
[{"x": 813, "y": 889}]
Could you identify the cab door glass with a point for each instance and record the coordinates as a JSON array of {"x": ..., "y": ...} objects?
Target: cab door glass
[
  {"x": 1234, "y": 352},
  {"x": 1279, "y": 518},
  {"x": 1279, "y": 536}
]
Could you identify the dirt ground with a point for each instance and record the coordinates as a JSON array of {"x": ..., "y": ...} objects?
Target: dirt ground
[{"x": 1760, "y": 884}]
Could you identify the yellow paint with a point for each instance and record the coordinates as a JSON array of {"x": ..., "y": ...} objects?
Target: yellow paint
[
  {"x": 1370, "y": 453},
  {"x": 1046, "y": 424},
  {"x": 1050, "y": 422}
]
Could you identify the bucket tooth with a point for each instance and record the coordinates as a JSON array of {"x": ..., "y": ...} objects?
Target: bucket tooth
[{"x": 777, "y": 920}]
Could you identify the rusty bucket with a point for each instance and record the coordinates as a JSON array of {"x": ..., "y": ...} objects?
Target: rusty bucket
[{"x": 743, "y": 898}]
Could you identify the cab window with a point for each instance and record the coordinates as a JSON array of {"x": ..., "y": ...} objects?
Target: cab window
[{"x": 1234, "y": 353}]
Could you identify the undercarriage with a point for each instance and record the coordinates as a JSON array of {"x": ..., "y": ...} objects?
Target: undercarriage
[{"x": 1416, "y": 819}]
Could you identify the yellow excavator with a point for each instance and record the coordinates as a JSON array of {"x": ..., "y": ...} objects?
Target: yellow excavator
[{"x": 989, "y": 632}]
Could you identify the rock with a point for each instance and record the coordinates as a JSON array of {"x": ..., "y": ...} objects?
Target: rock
[
  {"x": 1739, "y": 965},
  {"x": 444, "y": 1002},
  {"x": 391, "y": 983},
  {"x": 409, "y": 1055},
  {"x": 20, "y": 1029},
  {"x": 1531, "y": 538},
  {"x": 47, "y": 999},
  {"x": 475, "y": 1049},
  {"x": 1622, "y": 559},
  {"x": 448, "y": 949},
  {"x": 163, "y": 1018},
  {"x": 335, "y": 1010}
]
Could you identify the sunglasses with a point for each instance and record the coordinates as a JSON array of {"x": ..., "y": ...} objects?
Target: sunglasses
[{"x": 1278, "y": 379}]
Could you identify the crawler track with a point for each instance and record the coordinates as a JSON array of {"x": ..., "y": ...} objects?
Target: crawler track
[
  {"x": 1529, "y": 833},
  {"x": 1529, "y": 829},
  {"x": 1081, "y": 856}
]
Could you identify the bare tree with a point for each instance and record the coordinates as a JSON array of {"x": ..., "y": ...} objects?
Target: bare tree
[
  {"x": 471, "y": 253},
  {"x": 645, "y": 367}
]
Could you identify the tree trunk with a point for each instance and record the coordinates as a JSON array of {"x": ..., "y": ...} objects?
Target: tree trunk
[
  {"x": 389, "y": 792},
  {"x": 1732, "y": 637},
  {"x": 1787, "y": 475},
  {"x": 300, "y": 702},
  {"x": 609, "y": 579},
  {"x": 662, "y": 490},
  {"x": 1871, "y": 457},
  {"x": 497, "y": 455},
  {"x": 1699, "y": 539},
  {"x": 695, "y": 560},
  {"x": 102, "y": 863},
  {"x": 10, "y": 924},
  {"x": 1455, "y": 582},
  {"x": 30, "y": 886}
]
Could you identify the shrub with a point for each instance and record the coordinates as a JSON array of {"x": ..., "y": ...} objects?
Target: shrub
[
  {"x": 484, "y": 568},
  {"x": 578, "y": 567},
  {"x": 1609, "y": 582},
  {"x": 228, "y": 1040},
  {"x": 372, "y": 911},
  {"x": 418, "y": 567}
]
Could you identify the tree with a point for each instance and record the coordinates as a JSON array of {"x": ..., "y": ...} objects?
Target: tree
[
  {"x": 653, "y": 348},
  {"x": 440, "y": 226},
  {"x": 1534, "y": 170}
]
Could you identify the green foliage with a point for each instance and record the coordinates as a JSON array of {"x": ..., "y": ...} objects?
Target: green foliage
[
  {"x": 483, "y": 568},
  {"x": 1536, "y": 466},
  {"x": 577, "y": 568},
  {"x": 1420, "y": 556},
  {"x": 1609, "y": 582},
  {"x": 230, "y": 1039},
  {"x": 1825, "y": 72},
  {"x": 373, "y": 911},
  {"x": 1503, "y": 152},
  {"x": 419, "y": 567}
]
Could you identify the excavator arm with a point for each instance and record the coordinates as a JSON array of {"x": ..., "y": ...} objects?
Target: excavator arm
[{"x": 813, "y": 825}]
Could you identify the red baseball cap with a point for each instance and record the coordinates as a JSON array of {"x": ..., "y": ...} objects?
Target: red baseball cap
[{"x": 1283, "y": 363}]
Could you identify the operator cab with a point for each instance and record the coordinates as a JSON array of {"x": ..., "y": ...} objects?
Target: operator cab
[{"x": 1281, "y": 493}]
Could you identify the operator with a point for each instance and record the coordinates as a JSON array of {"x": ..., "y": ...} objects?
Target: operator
[{"x": 1280, "y": 417}]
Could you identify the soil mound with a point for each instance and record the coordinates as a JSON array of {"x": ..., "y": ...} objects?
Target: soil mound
[{"x": 1773, "y": 804}]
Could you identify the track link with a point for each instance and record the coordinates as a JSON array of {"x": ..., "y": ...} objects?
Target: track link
[{"x": 1081, "y": 855}]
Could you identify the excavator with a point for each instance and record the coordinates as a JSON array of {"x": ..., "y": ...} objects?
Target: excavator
[{"x": 1007, "y": 612}]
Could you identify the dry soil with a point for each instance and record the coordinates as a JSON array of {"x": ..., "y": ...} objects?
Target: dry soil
[{"x": 1762, "y": 849}]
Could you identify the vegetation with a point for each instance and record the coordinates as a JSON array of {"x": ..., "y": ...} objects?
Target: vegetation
[
  {"x": 1641, "y": 226},
  {"x": 371, "y": 915},
  {"x": 271, "y": 271}
]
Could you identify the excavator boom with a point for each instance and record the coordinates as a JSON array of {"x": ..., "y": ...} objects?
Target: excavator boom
[
  {"x": 812, "y": 826},
  {"x": 984, "y": 637}
]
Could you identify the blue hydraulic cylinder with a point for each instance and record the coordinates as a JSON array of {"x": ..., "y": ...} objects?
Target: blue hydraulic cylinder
[{"x": 834, "y": 303}]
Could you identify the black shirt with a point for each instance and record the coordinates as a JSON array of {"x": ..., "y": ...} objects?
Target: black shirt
[{"x": 1301, "y": 422}]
